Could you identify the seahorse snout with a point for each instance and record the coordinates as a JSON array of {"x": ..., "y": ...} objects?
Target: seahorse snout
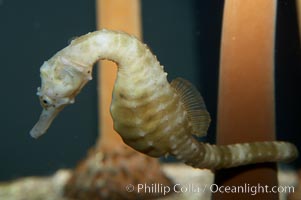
[{"x": 45, "y": 120}]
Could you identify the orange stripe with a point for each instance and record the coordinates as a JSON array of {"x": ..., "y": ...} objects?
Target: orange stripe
[
  {"x": 246, "y": 90},
  {"x": 117, "y": 15}
]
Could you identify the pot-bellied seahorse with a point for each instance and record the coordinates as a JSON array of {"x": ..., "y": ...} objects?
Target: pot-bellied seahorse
[{"x": 151, "y": 115}]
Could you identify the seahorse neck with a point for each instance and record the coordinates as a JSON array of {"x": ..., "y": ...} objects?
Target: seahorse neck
[
  {"x": 136, "y": 64},
  {"x": 119, "y": 47}
]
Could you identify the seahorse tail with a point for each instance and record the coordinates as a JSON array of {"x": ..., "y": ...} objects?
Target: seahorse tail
[
  {"x": 249, "y": 153},
  {"x": 201, "y": 155}
]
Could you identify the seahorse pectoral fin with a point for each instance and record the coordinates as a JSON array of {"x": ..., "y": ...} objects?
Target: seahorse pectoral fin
[
  {"x": 194, "y": 105},
  {"x": 45, "y": 120}
]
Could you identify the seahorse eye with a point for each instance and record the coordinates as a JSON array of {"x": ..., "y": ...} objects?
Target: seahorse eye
[{"x": 45, "y": 101}]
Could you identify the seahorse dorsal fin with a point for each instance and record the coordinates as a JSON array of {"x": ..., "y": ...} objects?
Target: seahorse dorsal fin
[{"x": 194, "y": 105}]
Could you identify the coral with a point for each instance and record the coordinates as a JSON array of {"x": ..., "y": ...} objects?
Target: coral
[{"x": 110, "y": 174}]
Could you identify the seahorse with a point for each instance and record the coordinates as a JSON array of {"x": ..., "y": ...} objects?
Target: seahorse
[{"x": 151, "y": 115}]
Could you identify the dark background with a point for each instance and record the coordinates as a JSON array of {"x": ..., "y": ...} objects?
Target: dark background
[{"x": 185, "y": 36}]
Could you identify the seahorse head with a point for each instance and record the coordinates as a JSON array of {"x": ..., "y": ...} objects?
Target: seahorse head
[{"x": 61, "y": 81}]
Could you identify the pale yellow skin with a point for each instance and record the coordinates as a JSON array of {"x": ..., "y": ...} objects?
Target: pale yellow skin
[{"x": 146, "y": 110}]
